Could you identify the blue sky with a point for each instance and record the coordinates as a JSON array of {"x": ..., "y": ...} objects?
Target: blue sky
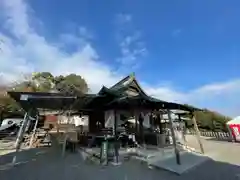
[{"x": 185, "y": 51}]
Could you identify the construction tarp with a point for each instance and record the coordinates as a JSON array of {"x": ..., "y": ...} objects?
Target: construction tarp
[{"x": 234, "y": 127}]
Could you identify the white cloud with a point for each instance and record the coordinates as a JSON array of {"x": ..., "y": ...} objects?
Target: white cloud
[
  {"x": 222, "y": 97},
  {"x": 131, "y": 44},
  {"x": 23, "y": 51}
]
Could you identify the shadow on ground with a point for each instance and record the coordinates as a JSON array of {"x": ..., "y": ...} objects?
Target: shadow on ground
[
  {"x": 23, "y": 156},
  {"x": 51, "y": 166}
]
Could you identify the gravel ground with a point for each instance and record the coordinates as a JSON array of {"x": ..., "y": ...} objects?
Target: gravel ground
[{"x": 50, "y": 166}]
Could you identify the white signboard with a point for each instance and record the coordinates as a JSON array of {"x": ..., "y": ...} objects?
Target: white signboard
[{"x": 24, "y": 97}]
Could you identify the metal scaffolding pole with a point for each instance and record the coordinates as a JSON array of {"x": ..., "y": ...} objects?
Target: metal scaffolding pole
[{"x": 20, "y": 137}]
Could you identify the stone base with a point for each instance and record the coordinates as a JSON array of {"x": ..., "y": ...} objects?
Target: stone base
[{"x": 188, "y": 161}]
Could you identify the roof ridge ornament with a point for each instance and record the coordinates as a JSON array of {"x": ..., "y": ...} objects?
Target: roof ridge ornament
[{"x": 132, "y": 75}]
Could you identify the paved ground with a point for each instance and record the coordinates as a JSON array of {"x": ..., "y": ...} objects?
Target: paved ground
[
  {"x": 218, "y": 150},
  {"x": 51, "y": 166}
]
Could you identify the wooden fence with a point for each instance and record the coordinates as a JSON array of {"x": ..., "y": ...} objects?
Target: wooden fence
[{"x": 217, "y": 135}]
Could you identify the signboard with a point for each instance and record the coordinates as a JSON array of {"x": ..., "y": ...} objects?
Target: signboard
[{"x": 24, "y": 97}]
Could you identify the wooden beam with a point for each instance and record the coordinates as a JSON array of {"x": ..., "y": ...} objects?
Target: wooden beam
[
  {"x": 34, "y": 132},
  {"x": 197, "y": 133},
  {"x": 177, "y": 154}
]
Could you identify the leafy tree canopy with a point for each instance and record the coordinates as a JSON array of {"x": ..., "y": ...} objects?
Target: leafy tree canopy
[
  {"x": 71, "y": 84},
  {"x": 210, "y": 120},
  {"x": 44, "y": 82}
]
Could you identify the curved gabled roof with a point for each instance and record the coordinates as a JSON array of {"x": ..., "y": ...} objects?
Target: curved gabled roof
[{"x": 126, "y": 82}]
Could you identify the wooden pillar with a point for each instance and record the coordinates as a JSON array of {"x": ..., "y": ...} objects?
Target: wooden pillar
[
  {"x": 160, "y": 117},
  {"x": 183, "y": 128},
  {"x": 116, "y": 146},
  {"x": 65, "y": 135},
  {"x": 197, "y": 133},
  {"x": 136, "y": 116},
  {"x": 141, "y": 135},
  {"x": 136, "y": 123},
  {"x": 174, "y": 138},
  {"x": 34, "y": 132},
  {"x": 1, "y": 114},
  {"x": 57, "y": 125},
  {"x": 150, "y": 119},
  {"x": 115, "y": 125}
]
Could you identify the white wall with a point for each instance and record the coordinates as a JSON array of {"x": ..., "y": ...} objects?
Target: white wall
[
  {"x": 110, "y": 117},
  {"x": 146, "y": 120},
  {"x": 77, "y": 120}
]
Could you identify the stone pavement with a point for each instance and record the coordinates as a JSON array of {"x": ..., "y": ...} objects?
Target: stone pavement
[
  {"x": 51, "y": 166},
  {"x": 218, "y": 150}
]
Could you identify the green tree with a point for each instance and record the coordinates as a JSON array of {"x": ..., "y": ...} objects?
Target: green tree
[
  {"x": 8, "y": 105},
  {"x": 71, "y": 84},
  {"x": 25, "y": 86},
  {"x": 210, "y": 120},
  {"x": 46, "y": 82},
  {"x": 43, "y": 81}
]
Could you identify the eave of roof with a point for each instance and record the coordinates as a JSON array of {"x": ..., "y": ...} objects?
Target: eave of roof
[
  {"x": 146, "y": 102},
  {"x": 53, "y": 101}
]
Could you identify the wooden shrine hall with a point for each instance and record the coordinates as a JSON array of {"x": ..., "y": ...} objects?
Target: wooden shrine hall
[{"x": 109, "y": 108}]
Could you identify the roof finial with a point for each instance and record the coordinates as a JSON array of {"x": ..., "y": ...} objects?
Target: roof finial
[{"x": 132, "y": 75}]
